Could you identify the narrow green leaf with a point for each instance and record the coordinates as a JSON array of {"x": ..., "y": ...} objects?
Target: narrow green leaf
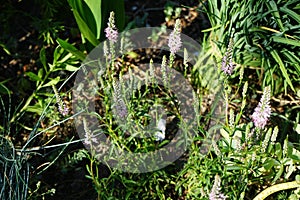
[
  {"x": 41, "y": 73},
  {"x": 212, "y": 28},
  {"x": 35, "y": 109},
  {"x": 279, "y": 173},
  {"x": 4, "y": 89},
  {"x": 52, "y": 82},
  {"x": 5, "y": 49},
  {"x": 286, "y": 41},
  {"x": 70, "y": 48},
  {"x": 297, "y": 129},
  {"x": 85, "y": 29},
  {"x": 33, "y": 76},
  {"x": 84, "y": 11},
  {"x": 43, "y": 58},
  {"x": 71, "y": 68},
  {"x": 273, "y": 7},
  {"x": 269, "y": 163},
  {"x": 293, "y": 14},
  {"x": 294, "y": 60},
  {"x": 282, "y": 68},
  {"x": 278, "y": 150}
]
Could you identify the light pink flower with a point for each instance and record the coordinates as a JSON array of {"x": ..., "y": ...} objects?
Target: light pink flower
[
  {"x": 111, "y": 34},
  {"x": 175, "y": 39},
  {"x": 111, "y": 31},
  {"x": 262, "y": 112},
  {"x": 227, "y": 63},
  {"x": 62, "y": 108}
]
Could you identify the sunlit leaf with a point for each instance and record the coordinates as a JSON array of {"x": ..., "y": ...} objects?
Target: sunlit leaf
[
  {"x": 52, "y": 82},
  {"x": 70, "y": 48}
]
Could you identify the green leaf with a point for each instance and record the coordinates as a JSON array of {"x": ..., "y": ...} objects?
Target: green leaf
[
  {"x": 295, "y": 154},
  {"x": 293, "y": 59},
  {"x": 5, "y": 49},
  {"x": 35, "y": 109},
  {"x": 57, "y": 53},
  {"x": 278, "y": 150},
  {"x": 234, "y": 167},
  {"x": 71, "y": 68},
  {"x": 85, "y": 13},
  {"x": 269, "y": 163},
  {"x": 282, "y": 68},
  {"x": 85, "y": 29},
  {"x": 273, "y": 7},
  {"x": 33, "y": 76},
  {"x": 70, "y": 48},
  {"x": 293, "y": 14},
  {"x": 43, "y": 58},
  {"x": 41, "y": 73},
  {"x": 52, "y": 82},
  {"x": 95, "y": 7},
  {"x": 279, "y": 173},
  {"x": 286, "y": 41},
  {"x": 4, "y": 89}
]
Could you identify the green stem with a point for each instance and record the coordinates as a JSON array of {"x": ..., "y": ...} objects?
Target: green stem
[{"x": 275, "y": 188}]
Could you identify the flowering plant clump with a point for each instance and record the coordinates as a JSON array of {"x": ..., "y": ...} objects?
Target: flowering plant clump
[
  {"x": 262, "y": 112},
  {"x": 151, "y": 113}
]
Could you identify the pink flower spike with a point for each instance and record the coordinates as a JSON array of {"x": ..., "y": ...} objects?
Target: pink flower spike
[
  {"x": 175, "y": 39},
  {"x": 262, "y": 112},
  {"x": 227, "y": 63},
  {"x": 111, "y": 31},
  {"x": 111, "y": 34}
]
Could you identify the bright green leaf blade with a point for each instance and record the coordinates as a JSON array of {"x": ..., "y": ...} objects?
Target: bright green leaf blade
[
  {"x": 282, "y": 68},
  {"x": 52, "y": 82},
  {"x": 71, "y": 68},
  {"x": 279, "y": 173},
  {"x": 286, "y": 41},
  {"x": 5, "y": 49},
  {"x": 43, "y": 58},
  {"x": 273, "y": 7},
  {"x": 297, "y": 129},
  {"x": 95, "y": 7},
  {"x": 85, "y": 30},
  {"x": 35, "y": 109},
  {"x": 293, "y": 14},
  {"x": 294, "y": 60},
  {"x": 85, "y": 13},
  {"x": 70, "y": 48},
  {"x": 33, "y": 76}
]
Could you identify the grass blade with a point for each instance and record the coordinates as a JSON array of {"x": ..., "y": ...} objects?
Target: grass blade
[{"x": 282, "y": 68}]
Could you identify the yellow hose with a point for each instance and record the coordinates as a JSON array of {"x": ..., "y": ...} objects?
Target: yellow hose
[{"x": 275, "y": 188}]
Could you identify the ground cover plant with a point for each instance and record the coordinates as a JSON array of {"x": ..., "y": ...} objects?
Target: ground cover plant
[{"x": 68, "y": 65}]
